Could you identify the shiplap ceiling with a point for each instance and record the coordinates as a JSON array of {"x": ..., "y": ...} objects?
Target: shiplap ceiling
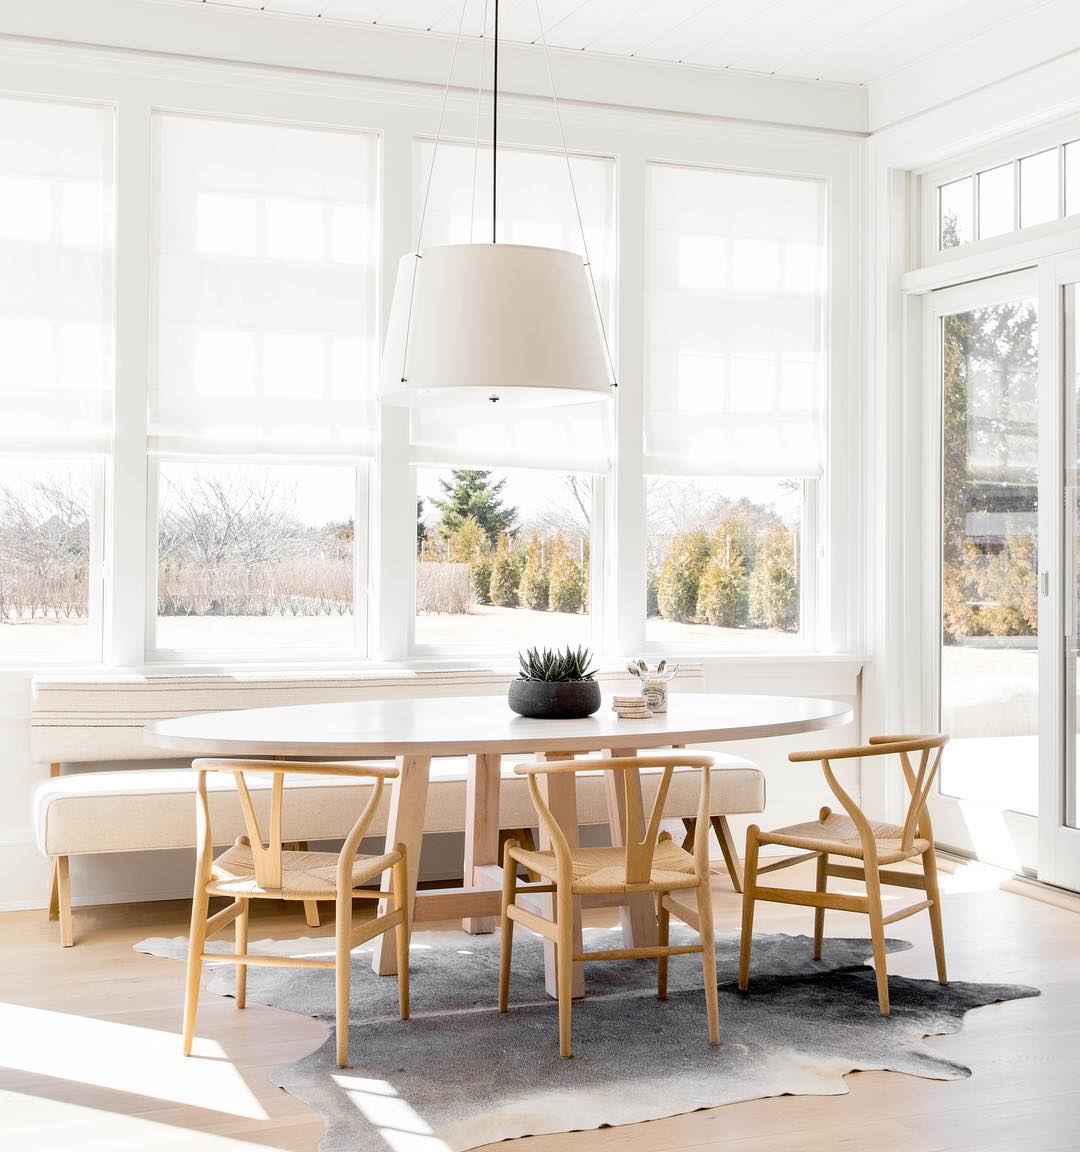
[{"x": 843, "y": 41}]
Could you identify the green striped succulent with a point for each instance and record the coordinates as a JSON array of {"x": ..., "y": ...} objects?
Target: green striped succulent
[{"x": 568, "y": 664}]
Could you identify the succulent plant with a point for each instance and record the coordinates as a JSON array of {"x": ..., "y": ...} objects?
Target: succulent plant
[{"x": 567, "y": 664}]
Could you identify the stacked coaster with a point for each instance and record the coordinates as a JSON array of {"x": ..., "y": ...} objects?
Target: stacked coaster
[{"x": 631, "y": 707}]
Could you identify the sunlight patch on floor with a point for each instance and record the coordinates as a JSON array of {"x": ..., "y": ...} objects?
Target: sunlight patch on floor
[
  {"x": 123, "y": 1058},
  {"x": 394, "y": 1119}
]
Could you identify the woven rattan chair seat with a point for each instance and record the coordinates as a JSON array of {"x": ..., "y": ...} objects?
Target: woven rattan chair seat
[
  {"x": 304, "y": 875},
  {"x": 838, "y": 836},
  {"x": 604, "y": 869}
]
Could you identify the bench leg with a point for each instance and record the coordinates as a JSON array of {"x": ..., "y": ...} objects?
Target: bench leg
[
  {"x": 311, "y": 907},
  {"x": 726, "y": 841},
  {"x": 731, "y": 854},
  {"x": 54, "y": 892},
  {"x": 62, "y": 889}
]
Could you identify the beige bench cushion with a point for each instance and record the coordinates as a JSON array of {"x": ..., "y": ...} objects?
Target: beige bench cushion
[{"x": 153, "y": 808}]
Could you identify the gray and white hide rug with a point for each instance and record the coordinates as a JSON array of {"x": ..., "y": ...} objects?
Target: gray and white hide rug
[{"x": 457, "y": 1074}]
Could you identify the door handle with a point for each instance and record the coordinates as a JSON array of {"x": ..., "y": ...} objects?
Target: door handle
[{"x": 1044, "y": 583}]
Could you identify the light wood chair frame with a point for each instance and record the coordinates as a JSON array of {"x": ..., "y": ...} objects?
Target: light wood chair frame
[
  {"x": 916, "y": 825},
  {"x": 638, "y": 877},
  {"x": 267, "y": 858}
]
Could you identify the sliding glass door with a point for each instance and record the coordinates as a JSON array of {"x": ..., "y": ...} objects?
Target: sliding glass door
[{"x": 986, "y": 686}]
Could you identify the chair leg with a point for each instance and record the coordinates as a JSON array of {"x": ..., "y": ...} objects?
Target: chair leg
[
  {"x": 663, "y": 935},
  {"x": 506, "y": 925},
  {"x": 933, "y": 892},
  {"x": 877, "y": 936},
  {"x": 200, "y": 903},
  {"x": 819, "y": 913},
  {"x": 564, "y": 959},
  {"x": 749, "y": 884},
  {"x": 241, "y": 924},
  {"x": 401, "y": 931},
  {"x": 708, "y": 958},
  {"x": 311, "y": 913},
  {"x": 63, "y": 901},
  {"x": 342, "y": 972}
]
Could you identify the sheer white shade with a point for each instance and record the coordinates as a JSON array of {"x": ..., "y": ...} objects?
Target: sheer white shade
[
  {"x": 735, "y": 323},
  {"x": 488, "y": 325},
  {"x": 56, "y": 275},
  {"x": 265, "y": 302}
]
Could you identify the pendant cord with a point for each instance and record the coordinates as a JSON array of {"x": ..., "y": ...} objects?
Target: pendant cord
[
  {"x": 573, "y": 193},
  {"x": 476, "y": 134},
  {"x": 495, "y": 134},
  {"x": 427, "y": 190}
]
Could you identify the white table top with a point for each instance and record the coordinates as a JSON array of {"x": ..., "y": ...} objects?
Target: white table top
[{"x": 452, "y": 726}]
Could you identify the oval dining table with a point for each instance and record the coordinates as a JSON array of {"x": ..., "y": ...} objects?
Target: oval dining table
[{"x": 483, "y": 728}]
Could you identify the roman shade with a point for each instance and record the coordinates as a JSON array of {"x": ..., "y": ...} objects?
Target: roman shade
[
  {"x": 56, "y": 275},
  {"x": 735, "y": 323},
  {"x": 265, "y": 294}
]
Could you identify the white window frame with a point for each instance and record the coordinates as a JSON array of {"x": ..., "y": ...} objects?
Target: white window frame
[{"x": 157, "y": 654}]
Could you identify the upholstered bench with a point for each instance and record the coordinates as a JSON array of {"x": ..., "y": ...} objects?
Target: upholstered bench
[
  {"x": 100, "y": 720},
  {"x": 150, "y": 809}
]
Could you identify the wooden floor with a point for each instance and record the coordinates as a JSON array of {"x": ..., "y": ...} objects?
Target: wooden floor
[{"x": 90, "y": 1052}]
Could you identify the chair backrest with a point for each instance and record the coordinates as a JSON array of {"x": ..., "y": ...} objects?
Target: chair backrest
[
  {"x": 919, "y": 780},
  {"x": 641, "y": 836},
  {"x": 266, "y": 851}
]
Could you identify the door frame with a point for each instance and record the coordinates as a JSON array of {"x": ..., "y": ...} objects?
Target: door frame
[{"x": 1059, "y": 845}]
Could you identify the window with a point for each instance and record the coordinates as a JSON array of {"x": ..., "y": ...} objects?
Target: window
[
  {"x": 725, "y": 562},
  {"x": 264, "y": 354},
  {"x": 49, "y": 556},
  {"x": 734, "y": 402},
  {"x": 989, "y": 549},
  {"x": 56, "y": 372},
  {"x": 503, "y": 558},
  {"x": 1022, "y": 193},
  {"x": 255, "y": 556}
]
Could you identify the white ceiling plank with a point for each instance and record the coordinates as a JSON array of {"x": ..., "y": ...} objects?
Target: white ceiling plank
[
  {"x": 949, "y": 24},
  {"x": 705, "y": 25},
  {"x": 591, "y": 18},
  {"x": 786, "y": 18},
  {"x": 354, "y": 11},
  {"x": 643, "y": 23},
  {"x": 419, "y": 15},
  {"x": 520, "y": 23},
  {"x": 474, "y": 16},
  {"x": 835, "y": 22},
  {"x": 239, "y": 3},
  {"x": 295, "y": 7}
]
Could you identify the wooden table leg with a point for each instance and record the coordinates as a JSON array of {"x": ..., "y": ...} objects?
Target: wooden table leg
[
  {"x": 481, "y": 826},
  {"x": 638, "y": 914},
  {"x": 560, "y": 795},
  {"x": 404, "y": 825}
]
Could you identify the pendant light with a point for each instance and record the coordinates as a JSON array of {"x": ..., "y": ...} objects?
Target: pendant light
[{"x": 507, "y": 324}]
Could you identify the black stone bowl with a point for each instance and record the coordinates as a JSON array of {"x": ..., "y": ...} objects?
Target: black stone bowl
[{"x": 554, "y": 700}]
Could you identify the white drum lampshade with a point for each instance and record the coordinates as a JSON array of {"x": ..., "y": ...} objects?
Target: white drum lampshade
[{"x": 493, "y": 324}]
